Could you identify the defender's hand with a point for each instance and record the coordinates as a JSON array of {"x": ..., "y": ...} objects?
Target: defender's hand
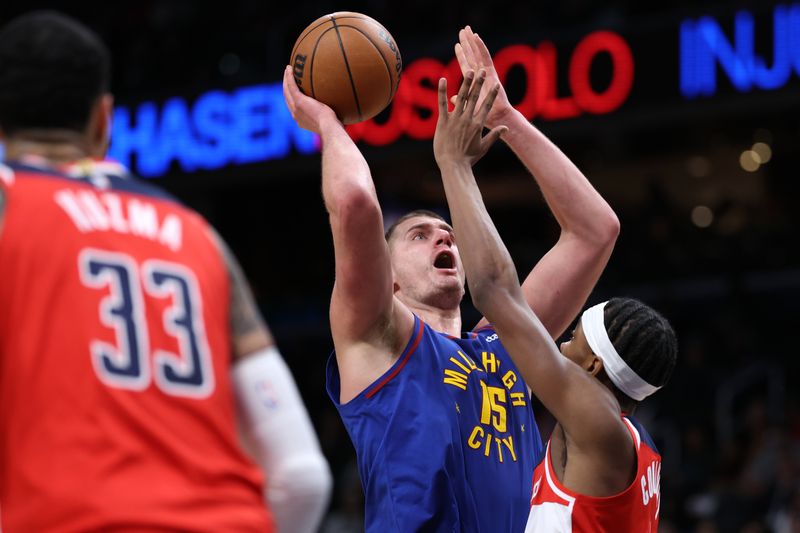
[
  {"x": 458, "y": 138},
  {"x": 310, "y": 114},
  {"x": 472, "y": 54}
]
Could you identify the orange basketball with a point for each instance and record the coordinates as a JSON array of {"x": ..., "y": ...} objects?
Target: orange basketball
[{"x": 349, "y": 62}]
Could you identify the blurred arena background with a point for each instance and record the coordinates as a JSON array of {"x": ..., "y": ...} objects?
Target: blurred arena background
[{"x": 683, "y": 114}]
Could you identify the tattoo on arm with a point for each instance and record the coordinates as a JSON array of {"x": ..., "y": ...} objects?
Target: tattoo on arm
[
  {"x": 248, "y": 328},
  {"x": 245, "y": 317}
]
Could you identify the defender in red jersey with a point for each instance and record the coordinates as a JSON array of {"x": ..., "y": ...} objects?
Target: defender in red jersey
[
  {"x": 554, "y": 507},
  {"x": 128, "y": 337},
  {"x": 600, "y": 471}
]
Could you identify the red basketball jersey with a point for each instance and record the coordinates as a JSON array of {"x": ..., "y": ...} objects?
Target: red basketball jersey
[
  {"x": 556, "y": 509},
  {"x": 118, "y": 413}
]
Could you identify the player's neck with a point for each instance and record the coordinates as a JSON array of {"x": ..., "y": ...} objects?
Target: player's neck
[
  {"x": 442, "y": 320},
  {"x": 56, "y": 147}
]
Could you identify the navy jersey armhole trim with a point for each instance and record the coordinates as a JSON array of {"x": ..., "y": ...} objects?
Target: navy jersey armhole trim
[{"x": 404, "y": 357}]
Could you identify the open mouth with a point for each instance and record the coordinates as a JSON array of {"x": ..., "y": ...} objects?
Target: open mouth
[{"x": 444, "y": 260}]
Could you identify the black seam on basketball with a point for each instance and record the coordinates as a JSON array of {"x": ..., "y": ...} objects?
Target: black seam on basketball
[
  {"x": 347, "y": 66},
  {"x": 303, "y": 38},
  {"x": 306, "y": 34},
  {"x": 311, "y": 63},
  {"x": 309, "y": 30},
  {"x": 380, "y": 27},
  {"x": 388, "y": 67}
]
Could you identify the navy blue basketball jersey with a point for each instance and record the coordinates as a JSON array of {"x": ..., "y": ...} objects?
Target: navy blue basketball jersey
[{"x": 446, "y": 439}]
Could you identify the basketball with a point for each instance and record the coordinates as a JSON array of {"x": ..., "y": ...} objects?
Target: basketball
[{"x": 349, "y": 62}]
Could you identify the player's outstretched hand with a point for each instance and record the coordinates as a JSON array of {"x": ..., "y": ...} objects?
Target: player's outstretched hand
[
  {"x": 459, "y": 133},
  {"x": 472, "y": 54},
  {"x": 309, "y": 113}
]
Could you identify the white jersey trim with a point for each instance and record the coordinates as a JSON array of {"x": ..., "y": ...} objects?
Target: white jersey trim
[
  {"x": 635, "y": 433},
  {"x": 553, "y": 486}
]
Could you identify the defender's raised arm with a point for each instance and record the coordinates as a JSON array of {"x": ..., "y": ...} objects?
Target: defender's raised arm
[{"x": 559, "y": 284}]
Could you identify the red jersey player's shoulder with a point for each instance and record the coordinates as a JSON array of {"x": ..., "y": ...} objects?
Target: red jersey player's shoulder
[
  {"x": 102, "y": 196},
  {"x": 103, "y": 175}
]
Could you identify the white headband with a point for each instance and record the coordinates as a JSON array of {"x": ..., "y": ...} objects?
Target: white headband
[{"x": 618, "y": 371}]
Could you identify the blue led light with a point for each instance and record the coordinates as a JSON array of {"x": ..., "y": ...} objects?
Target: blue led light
[
  {"x": 704, "y": 45},
  {"x": 248, "y": 125}
]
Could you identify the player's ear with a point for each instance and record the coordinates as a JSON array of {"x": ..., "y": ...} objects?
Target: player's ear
[
  {"x": 100, "y": 124},
  {"x": 595, "y": 365}
]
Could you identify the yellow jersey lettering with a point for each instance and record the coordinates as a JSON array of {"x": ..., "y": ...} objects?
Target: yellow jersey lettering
[
  {"x": 517, "y": 399},
  {"x": 473, "y": 440},
  {"x": 470, "y": 363},
  {"x": 490, "y": 362},
  {"x": 455, "y": 378},
  {"x": 492, "y": 410},
  {"x": 483, "y": 441},
  {"x": 499, "y": 448},
  {"x": 459, "y": 364},
  {"x": 509, "y": 379},
  {"x": 509, "y": 442}
]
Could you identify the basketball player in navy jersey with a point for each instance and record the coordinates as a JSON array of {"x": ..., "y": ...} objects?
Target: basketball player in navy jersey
[
  {"x": 601, "y": 471},
  {"x": 442, "y": 423}
]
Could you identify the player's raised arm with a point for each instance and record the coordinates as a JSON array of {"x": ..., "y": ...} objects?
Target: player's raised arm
[
  {"x": 363, "y": 312},
  {"x": 588, "y": 411},
  {"x": 559, "y": 284}
]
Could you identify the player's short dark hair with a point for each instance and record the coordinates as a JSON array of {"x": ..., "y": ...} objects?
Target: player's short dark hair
[
  {"x": 412, "y": 214},
  {"x": 52, "y": 70},
  {"x": 643, "y": 338}
]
